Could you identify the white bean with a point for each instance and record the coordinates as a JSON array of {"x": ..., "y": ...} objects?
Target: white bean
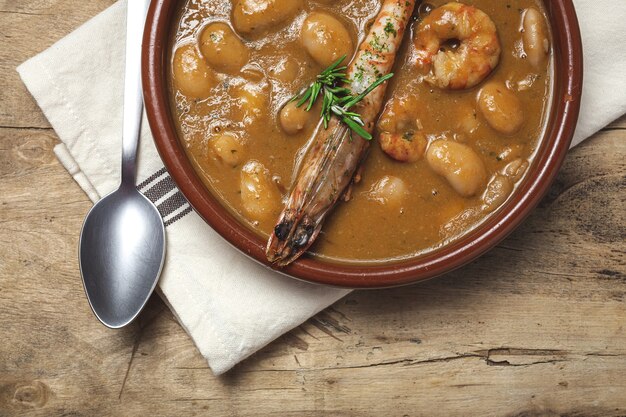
[
  {"x": 326, "y": 39},
  {"x": 222, "y": 48},
  {"x": 516, "y": 169},
  {"x": 294, "y": 119},
  {"x": 252, "y": 17},
  {"x": 535, "y": 37},
  {"x": 501, "y": 108},
  {"x": 192, "y": 76},
  {"x": 252, "y": 100},
  {"x": 388, "y": 191},
  {"x": 260, "y": 197},
  {"x": 459, "y": 164},
  {"x": 498, "y": 191},
  {"x": 227, "y": 148}
]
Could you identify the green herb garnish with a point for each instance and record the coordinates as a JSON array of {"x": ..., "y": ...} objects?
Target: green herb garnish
[
  {"x": 390, "y": 29},
  {"x": 337, "y": 100}
]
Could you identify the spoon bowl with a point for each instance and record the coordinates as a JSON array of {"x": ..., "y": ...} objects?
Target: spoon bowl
[{"x": 122, "y": 248}]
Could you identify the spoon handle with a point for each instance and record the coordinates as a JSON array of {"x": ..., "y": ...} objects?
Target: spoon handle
[{"x": 133, "y": 99}]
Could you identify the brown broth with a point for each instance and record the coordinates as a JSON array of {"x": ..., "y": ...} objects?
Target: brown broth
[{"x": 360, "y": 230}]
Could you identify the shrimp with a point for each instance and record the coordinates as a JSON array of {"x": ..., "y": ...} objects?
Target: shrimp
[
  {"x": 477, "y": 53},
  {"x": 400, "y": 134},
  {"x": 331, "y": 163}
]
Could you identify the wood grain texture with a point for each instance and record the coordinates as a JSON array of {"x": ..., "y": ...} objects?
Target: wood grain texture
[{"x": 534, "y": 328}]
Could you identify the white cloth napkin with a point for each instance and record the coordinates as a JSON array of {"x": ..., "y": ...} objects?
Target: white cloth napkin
[{"x": 229, "y": 305}]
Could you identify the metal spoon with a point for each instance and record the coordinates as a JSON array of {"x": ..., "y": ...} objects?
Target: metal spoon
[{"x": 122, "y": 244}]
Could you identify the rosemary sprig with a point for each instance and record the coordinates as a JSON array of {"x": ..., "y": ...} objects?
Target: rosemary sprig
[{"x": 337, "y": 100}]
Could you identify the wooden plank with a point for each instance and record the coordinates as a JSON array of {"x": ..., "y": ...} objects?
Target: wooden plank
[{"x": 618, "y": 124}]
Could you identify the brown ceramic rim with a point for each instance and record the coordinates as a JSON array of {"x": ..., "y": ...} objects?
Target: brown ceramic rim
[{"x": 568, "y": 74}]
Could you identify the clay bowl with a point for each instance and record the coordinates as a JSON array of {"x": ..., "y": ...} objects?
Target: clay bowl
[{"x": 563, "y": 116}]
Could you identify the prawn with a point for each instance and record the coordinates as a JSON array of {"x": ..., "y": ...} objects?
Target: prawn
[
  {"x": 401, "y": 136},
  {"x": 475, "y": 57},
  {"x": 330, "y": 165}
]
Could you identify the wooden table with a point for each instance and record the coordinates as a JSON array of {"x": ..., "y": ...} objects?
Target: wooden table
[{"x": 536, "y": 327}]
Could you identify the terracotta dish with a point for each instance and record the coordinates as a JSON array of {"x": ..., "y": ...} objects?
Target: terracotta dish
[{"x": 562, "y": 115}]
